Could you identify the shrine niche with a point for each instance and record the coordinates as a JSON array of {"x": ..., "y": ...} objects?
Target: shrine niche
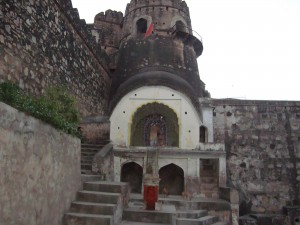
[
  {"x": 171, "y": 180},
  {"x": 155, "y": 125},
  {"x": 133, "y": 174}
]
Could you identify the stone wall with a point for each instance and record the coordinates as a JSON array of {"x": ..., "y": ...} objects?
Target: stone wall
[
  {"x": 44, "y": 43},
  {"x": 40, "y": 170},
  {"x": 262, "y": 142}
]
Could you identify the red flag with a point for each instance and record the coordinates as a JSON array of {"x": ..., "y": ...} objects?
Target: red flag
[{"x": 149, "y": 31}]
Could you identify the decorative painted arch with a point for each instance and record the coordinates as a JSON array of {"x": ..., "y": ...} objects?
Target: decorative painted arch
[{"x": 154, "y": 124}]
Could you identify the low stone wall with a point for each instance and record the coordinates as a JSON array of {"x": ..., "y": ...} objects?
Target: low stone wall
[
  {"x": 40, "y": 170},
  {"x": 262, "y": 143}
]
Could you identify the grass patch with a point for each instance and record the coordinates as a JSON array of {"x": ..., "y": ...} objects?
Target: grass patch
[{"x": 55, "y": 107}]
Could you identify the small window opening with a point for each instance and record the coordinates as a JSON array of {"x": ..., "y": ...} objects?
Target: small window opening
[
  {"x": 180, "y": 26},
  {"x": 203, "y": 134},
  {"x": 141, "y": 26}
]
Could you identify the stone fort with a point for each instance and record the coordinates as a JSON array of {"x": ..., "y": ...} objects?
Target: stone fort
[{"x": 146, "y": 115}]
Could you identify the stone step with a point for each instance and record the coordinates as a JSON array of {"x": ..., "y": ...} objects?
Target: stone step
[
  {"x": 84, "y": 153},
  {"x": 147, "y": 216},
  {"x": 220, "y": 223},
  {"x": 89, "y": 177},
  {"x": 93, "y": 208},
  {"x": 86, "y": 172},
  {"x": 94, "y": 151},
  {"x": 86, "y": 161},
  {"x": 194, "y": 214},
  {"x": 209, "y": 186},
  {"x": 209, "y": 179},
  {"x": 106, "y": 186},
  {"x": 85, "y": 166},
  {"x": 206, "y": 220},
  {"x": 209, "y": 194},
  {"x": 87, "y": 219},
  {"x": 98, "y": 197},
  {"x": 141, "y": 223},
  {"x": 99, "y": 145},
  {"x": 87, "y": 158}
]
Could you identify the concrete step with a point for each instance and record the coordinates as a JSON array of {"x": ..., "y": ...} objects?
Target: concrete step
[
  {"x": 193, "y": 214},
  {"x": 87, "y": 219},
  {"x": 98, "y": 197},
  {"x": 147, "y": 216},
  {"x": 206, "y": 220},
  {"x": 106, "y": 186},
  {"x": 85, "y": 166},
  {"x": 93, "y": 208}
]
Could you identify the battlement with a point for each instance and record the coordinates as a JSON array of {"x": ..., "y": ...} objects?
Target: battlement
[
  {"x": 110, "y": 16},
  {"x": 137, "y": 4},
  {"x": 80, "y": 25}
]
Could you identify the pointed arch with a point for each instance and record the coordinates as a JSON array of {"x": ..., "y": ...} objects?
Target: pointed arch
[
  {"x": 133, "y": 174},
  {"x": 154, "y": 124},
  {"x": 171, "y": 179}
]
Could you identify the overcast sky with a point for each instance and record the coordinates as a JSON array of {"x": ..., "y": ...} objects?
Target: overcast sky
[{"x": 251, "y": 47}]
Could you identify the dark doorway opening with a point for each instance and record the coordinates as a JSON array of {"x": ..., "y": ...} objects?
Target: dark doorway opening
[
  {"x": 141, "y": 26},
  {"x": 172, "y": 180},
  {"x": 203, "y": 134},
  {"x": 133, "y": 174}
]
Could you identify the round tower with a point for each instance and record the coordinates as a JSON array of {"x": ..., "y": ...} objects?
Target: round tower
[{"x": 158, "y": 47}]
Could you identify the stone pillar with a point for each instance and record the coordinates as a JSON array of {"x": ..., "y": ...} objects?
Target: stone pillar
[
  {"x": 222, "y": 171},
  {"x": 117, "y": 169}
]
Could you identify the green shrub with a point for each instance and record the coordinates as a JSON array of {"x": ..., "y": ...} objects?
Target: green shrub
[{"x": 55, "y": 107}]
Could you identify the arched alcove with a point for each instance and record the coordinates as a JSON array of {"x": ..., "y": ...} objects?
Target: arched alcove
[
  {"x": 180, "y": 26},
  {"x": 154, "y": 124},
  {"x": 171, "y": 179},
  {"x": 141, "y": 26},
  {"x": 133, "y": 174}
]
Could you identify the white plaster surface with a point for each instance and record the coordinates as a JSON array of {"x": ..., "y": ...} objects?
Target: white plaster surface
[{"x": 189, "y": 122}]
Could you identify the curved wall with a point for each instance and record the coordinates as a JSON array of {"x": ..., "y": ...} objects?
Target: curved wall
[{"x": 188, "y": 117}]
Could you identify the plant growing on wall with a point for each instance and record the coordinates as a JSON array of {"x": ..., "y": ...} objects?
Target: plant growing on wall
[{"x": 55, "y": 107}]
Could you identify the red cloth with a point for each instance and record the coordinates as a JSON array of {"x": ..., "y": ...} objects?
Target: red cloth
[{"x": 149, "y": 31}]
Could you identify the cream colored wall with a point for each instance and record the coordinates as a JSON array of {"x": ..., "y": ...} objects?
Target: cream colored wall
[{"x": 188, "y": 118}]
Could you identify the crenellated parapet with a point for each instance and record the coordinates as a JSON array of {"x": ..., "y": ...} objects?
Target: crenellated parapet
[
  {"x": 109, "y": 16},
  {"x": 80, "y": 25},
  {"x": 175, "y": 4}
]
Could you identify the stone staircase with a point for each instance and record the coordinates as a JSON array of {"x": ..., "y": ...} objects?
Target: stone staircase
[
  {"x": 175, "y": 210},
  {"x": 181, "y": 217},
  {"x": 100, "y": 202},
  {"x": 88, "y": 151}
]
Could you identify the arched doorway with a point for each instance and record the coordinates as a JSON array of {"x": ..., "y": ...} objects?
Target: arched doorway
[
  {"x": 171, "y": 179},
  {"x": 141, "y": 26},
  {"x": 154, "y": 124},
  {"x": 133, "y": 174}
]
